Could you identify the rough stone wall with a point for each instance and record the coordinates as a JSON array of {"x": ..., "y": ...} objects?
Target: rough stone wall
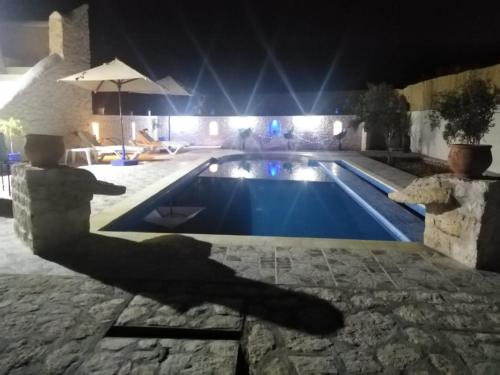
[
  {"x": 51, "y": 206},
  {"x": 310, "y": 132},
  {"x": 430, "y": 142},
  {"x": 462, "y": 219},
  {"x": 43, "y": 105},
  {"x": 47, "y": 210}
]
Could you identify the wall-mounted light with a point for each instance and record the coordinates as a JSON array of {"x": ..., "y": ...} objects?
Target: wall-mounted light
[
  {"x": 241, "y": 173},
  {"x": 274, "y": 128},
  {"x": 184, "y": 124},
  {"x": 306, "y": 123},
  {"x": 243, "y": 122},
  {"x": 134, "y": 129},
  {"x": 337, "y": 127},
  {"x": 213, "y": 129},
  {"x": 95, "y": 129}
]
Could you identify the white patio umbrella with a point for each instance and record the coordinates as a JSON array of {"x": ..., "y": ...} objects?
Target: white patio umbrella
[
  {"x": 172, "y": 87},
  {"x": 116, "y": 76}
]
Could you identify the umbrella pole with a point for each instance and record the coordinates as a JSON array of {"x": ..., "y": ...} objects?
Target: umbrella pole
[{"x": 121, "y": 117}]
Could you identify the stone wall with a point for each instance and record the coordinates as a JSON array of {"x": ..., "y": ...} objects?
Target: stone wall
[
  {"x": 430, "y": 142},
  {"x": 462, "y": 219},
  {"x": 310, "y": 132},
  {"x": 51, "y": 206},
  {"x": 43, "y": 105}
]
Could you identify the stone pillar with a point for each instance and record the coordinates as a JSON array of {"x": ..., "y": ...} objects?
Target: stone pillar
[
  {"x": 51, "y": 206},
  {"x": 463, "y": 217}
]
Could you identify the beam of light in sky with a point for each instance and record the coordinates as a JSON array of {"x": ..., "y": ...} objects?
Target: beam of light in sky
[
  {"x": 206, "y": 62},
  {"x": 257, "y": 84},
  {"x": 272, "y": 57},
  {"x": 141, "y": 58},
  {"x": 195, "y": 87},
  {"x": 327, "y": 77}
]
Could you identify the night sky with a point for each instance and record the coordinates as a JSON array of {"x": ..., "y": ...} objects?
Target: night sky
[{"x": 234, "y": 47}]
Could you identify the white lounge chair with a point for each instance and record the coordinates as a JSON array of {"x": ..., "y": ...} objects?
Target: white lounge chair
[
  {"x": 143, "y": 139},
  {"x": 94, "y": 150}
]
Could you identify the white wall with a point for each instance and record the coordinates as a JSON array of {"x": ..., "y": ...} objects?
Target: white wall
[
  {"x": 311, "y": 132},
  {"x": 431, "y": 143}
]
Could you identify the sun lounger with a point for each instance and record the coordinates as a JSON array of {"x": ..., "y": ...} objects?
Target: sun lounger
[
  {"x": 92, "y": 147},
  {"x": 143, "y": 139}
]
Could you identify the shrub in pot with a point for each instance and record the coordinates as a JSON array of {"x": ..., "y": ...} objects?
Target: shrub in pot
[{"x": 467, "y": 114}]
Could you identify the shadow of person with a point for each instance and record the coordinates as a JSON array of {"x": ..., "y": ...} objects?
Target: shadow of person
[{"x": 151, "y": 267}]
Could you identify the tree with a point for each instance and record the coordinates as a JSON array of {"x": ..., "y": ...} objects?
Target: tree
[
  {"x": 382, "y": 108},
  {"x": 468, "y": 111}
]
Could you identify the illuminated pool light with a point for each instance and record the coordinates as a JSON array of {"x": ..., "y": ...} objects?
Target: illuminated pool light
[
  {"x": 273, "y": 168},
  {"x": 213, "y": 168},
  {"x": 305, "y": 174}
]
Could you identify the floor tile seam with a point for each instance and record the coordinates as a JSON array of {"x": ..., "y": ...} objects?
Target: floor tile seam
[
  {"x": 332, "y": 275},
  {"x": 276, "y": 266},
  {"x": 385, "y": 271},
  {"x": 429, "y": 261}
]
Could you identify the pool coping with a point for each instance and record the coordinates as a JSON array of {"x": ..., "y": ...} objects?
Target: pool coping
[{"x": 113, "y": 213}]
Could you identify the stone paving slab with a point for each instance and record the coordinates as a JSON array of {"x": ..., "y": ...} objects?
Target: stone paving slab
[
  {"x": 161, "y": 357},
  {"x": 393, "y": 310},
  {"x": 182, "y": 310},
  {"x": 385, "y": 332},
  {"x": 49, "y": 323}
]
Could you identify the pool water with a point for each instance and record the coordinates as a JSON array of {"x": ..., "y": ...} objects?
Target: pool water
[{"x": 258, "y": 198}]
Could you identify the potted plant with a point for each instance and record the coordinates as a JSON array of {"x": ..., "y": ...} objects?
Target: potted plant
[
  {"x": 12, "y": 128},
  {"x": 244, "y": 135},
  {"x": 289, "y": 136},
  {"x": 383, "y": 109},
  {"x": 467, "y": 113}
]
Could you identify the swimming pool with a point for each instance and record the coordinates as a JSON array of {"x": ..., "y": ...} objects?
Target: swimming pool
[{"x": 286, "y": 196}]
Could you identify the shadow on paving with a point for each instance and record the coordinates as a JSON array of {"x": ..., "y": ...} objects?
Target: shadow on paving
[
  {"x": 153, "y": 265},
  {"x": 6, "y": 208}
]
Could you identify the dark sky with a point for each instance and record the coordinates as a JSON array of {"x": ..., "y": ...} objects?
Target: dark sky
[{"x": 278, "y": 46}]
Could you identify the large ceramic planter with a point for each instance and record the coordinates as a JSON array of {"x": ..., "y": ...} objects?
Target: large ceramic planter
[
  {"x": 44, "y": 150},
  {"x": 469, "y": 161}
]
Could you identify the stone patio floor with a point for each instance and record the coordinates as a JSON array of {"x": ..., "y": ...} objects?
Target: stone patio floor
[{"x": 177, "y": 305}]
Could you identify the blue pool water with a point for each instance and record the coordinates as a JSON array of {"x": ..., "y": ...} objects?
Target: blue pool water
[{"x": 268, "y": 198}]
